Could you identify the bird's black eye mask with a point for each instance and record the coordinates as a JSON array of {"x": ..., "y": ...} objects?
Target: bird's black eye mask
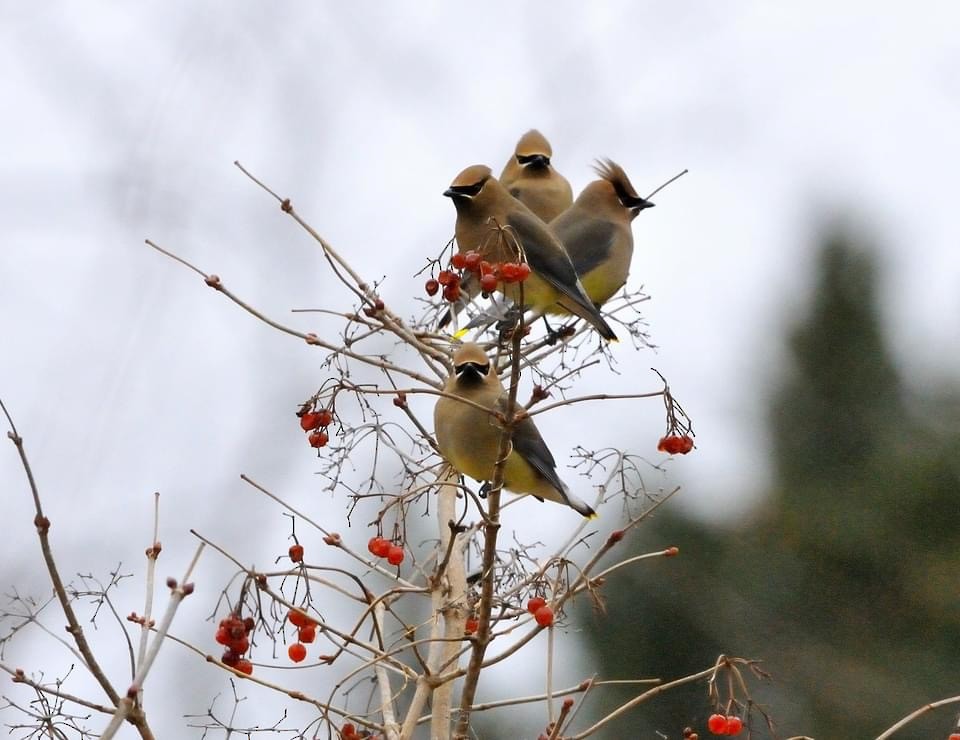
[
  {"x": 472, "y": 368},
  {"x": 466, "y": 191},
  {"x": 534, "y": 160},
  {"x": 629, "y": 200}
]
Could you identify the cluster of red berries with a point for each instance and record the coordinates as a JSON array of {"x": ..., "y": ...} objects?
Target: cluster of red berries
[
  {"x": 490, "y": 274},
  {"x": 386, "y": 549},
  {"x": 471, "y": 625},
  {"x": 674, "y": 444},
  {"x": 316, "y": 422},
  {"x": 719, "y": 724},
  {"x": 349, "y": 732},
  {"x": 306, "y": 633},
  {"x": 542, "y": 613},
  {"x": 232, "y": 632}
]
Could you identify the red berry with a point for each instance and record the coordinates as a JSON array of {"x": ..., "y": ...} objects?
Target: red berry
[
  {"x": 734, "y": 725},
  {"x": 318, "y": 439},
  {"x": 239, "y": 646},
  {"x": 446, "y": 278},
  {"x": 671, "y": 552},
  {"x": 307, "y": 634},
  {"x": 244, "y": 666},
  {"x": 472, "y": 625},
  {"x": 249, "y": 624},
  {"x": 471, "y": 260},
  {"x": 486, "y": 268},
  {"x": 348, "y": 730},
  {"x": 382, "y": 548},
  {"x": 324, "y": 417},
  {"x": 296, "y": 553},
  {"x": 309, "y": 421},
  {"x": 509, "y": 272},
  {"x": 372, "y": 544},
  {"x": 230, "y": 658},
  {"x": 673, "y": 445},
  {"x": 717, "y": 724},
  {"x": 431, "y": 286},
  {"x": 451, "y": 293},
  {"x": 488, "y": 283},
  {"x": 523, "y": 272},
  {"x": 395, "y": 555},
  {"x": 544, "y": 616},
  {"x": 954, "y": 736},
  {"x": 298, "y": 618},
  {"x": 297, "y": 652},
  {"x": 458, "y": 261},
  {"x": 222, "y": 636},
  {"x": 535, "y": 603}
]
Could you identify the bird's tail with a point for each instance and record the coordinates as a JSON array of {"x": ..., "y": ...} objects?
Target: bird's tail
[{"x": 589, "y": 313}]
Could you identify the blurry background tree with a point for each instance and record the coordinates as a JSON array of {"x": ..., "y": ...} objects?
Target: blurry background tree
[{"x": 844, "y": 581}]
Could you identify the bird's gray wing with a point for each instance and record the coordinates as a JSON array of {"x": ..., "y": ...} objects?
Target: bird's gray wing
[
  {"x": 547, "y": 257},
  {"x": 588, "y": 241}
]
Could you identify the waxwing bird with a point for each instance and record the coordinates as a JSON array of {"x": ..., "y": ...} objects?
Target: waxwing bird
[
  {"x": 531, "y": 179},
  {"x": 469, "y": 437},
  {"x": 495, "y": 224},
  {"x": 596, "y": 231}
]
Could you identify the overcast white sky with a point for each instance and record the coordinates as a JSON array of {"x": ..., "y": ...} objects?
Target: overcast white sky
[{"x": 121, "y": 121}]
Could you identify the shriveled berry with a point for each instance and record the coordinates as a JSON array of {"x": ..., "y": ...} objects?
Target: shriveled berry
[
  {"x": 249, "y": 624},
  {"x": 318, "y": 439},
  {"x": 230, "y": 658},
  {"x": 431, "y": 286},
  {"x": 395, "y": 555},
  {"x": 297, "y": 652},
  {"x": 296, "y": 553},
  {"x": 324, "y": 416},
  {"x": 239, "y": 646},
  {"x": 509, "y": 272},
  {"x": 544, "y": 616},
  {"x": 244, "y": 666},
  {"x": 446, "y": 278},
  {"x": 535, "y": 603}
]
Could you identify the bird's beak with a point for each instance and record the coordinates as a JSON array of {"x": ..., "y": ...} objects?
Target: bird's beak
[{"x": 450, "y": 193}]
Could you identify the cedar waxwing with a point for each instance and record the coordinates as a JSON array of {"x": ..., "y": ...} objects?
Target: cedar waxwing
[
  {"x": 596, "y": 231},
  {"x": 489, "y": 219},
  {"x": 469, "y": 438},
  {"x": 532, "y": 180}
]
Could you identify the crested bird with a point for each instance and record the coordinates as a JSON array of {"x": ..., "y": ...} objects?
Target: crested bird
[
  {"x": 596, "y": 231},
  {"x": 530, "y": 177},
  {"x": 469, "y": 437}
]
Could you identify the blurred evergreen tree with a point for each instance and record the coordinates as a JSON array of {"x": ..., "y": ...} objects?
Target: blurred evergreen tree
[{"x": 846, "y": 581}]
